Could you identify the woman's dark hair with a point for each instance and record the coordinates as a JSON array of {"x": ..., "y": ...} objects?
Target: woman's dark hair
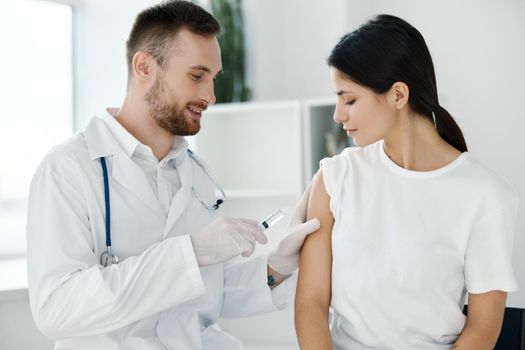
[{"x": 387, "y": 49}]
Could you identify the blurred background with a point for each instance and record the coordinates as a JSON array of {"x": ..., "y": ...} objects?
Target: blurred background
[{"x": 62, "y": 62}]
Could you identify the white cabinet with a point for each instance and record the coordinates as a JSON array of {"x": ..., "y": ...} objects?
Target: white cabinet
[
  {"x": 254, "y": 152},
  {"x": 263, "y": 154},
  {"x": 253, "y": 140}
]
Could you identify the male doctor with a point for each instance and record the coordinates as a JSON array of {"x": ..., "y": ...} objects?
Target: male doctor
[{"x": 174, "y": 277}]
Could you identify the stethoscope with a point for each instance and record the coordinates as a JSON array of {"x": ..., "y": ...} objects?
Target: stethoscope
[{"x": 107, "y": 258}]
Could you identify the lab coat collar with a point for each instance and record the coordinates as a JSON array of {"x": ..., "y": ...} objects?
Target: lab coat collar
[
  {"x": 102, "y": 143},
  {"x": 127, "y": 141}
]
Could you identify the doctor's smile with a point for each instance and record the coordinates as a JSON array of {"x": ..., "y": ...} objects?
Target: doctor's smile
[{"x": 195, "y": 114}]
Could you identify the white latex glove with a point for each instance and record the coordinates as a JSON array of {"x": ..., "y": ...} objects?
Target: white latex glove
[
  {"x": 225, "y": 238},
  {"x": 285, "y": 259}
]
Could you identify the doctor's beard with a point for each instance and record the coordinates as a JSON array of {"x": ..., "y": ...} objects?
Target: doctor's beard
[{"x": 170, "y": 116}]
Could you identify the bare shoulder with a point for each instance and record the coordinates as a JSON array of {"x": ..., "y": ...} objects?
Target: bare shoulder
[{"x": 319, "y": 201}]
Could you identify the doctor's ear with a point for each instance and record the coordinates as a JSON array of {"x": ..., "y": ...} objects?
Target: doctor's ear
[
  {"x": 398, "y": 94},
  {"x": 142, "y": 66}
]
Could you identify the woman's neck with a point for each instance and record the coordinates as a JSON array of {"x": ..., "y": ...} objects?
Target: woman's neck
[{"x": 415, "y": 144}]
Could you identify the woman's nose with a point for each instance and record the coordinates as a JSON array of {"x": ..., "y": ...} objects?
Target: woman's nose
[{"x": 340, "y": 114}]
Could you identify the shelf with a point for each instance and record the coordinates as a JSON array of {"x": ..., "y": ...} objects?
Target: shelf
[
  {"x": 14, "y": 278},
  {"x": 253, "y": 145},
  {"x": 240, "y": 107}
]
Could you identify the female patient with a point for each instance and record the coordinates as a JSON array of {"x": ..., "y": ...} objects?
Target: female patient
[{"x": 410, "y": 222}]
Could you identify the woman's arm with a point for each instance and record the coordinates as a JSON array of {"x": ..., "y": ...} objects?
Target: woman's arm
[
  {"x": 485, "y": 316},
  {"x": 313, "y": 295}
]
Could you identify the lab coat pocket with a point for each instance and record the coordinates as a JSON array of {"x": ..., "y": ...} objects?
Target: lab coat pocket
[{"x": 214, "y": 338}]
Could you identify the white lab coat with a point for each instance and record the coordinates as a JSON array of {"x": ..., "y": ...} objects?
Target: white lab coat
[{"x": 156, "y": 297}]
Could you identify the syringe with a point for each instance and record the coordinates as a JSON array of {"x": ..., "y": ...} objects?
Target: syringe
[{"x": 272, "y": 218}]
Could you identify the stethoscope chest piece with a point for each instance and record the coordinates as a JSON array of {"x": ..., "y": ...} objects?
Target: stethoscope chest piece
[{"x": 107, "y": 258}]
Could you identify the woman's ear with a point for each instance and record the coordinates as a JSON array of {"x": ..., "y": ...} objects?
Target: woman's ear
[{"x": 398, "y": 95}]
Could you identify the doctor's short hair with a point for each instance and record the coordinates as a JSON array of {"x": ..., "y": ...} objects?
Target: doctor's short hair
[{"x": 155, "y": 28}]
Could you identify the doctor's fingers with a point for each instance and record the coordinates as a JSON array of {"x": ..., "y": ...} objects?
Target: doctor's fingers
[
  {"x": 292, "y": 243},
  {"x": 250, "y": 251},
  {"x": 251, "y": 227},
  {"x": 247, "y": 222},
  {"x": 246, "y": 243}
]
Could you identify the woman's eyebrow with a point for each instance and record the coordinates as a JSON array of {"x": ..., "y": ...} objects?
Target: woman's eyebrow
[{"x": 343, "y": 92}]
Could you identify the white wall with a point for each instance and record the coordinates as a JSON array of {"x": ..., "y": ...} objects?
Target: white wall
[
  {"x": 101, "y": 33},
  {"x": 287, "y": 45}
]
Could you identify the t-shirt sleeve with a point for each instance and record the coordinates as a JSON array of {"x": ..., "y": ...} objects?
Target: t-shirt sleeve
[
  {"x": 488, "y": 260},
  {"x": 334, "y": 172},
  {"x": 327, "y": 164}
]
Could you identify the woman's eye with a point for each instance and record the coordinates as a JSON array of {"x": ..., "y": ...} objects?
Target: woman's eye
[{"x": 349, "y": 103}]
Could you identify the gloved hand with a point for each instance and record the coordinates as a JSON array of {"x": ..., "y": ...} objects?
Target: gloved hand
[
  {"x": 225, "y": 238},
  {"x": 285, "y": 259}
]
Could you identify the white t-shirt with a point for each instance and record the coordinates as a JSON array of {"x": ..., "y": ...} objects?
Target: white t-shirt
[{"x": 408, "y": 245}]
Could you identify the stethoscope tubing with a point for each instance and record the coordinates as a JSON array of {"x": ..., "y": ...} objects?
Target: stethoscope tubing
[
  {"x": 109, "y": 256},
  {"x": 106, "y": 201}
]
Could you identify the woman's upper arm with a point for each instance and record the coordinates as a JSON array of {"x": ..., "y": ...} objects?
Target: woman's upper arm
[{"x": 315, "y": 267}]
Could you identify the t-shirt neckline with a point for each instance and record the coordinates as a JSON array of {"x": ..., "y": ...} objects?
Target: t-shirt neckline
[{"x": 419, "y": 174}]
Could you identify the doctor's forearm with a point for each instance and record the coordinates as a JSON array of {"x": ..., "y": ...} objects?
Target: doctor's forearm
[{"x": 99, "y": 300}]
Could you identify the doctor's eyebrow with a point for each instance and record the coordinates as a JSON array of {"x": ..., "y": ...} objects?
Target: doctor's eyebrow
[{"x": 205, "y": 69}]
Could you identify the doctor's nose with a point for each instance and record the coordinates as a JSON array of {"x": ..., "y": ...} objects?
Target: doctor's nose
[{"x": 208, "y": 94}]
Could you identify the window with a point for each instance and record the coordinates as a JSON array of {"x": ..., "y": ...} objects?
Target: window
[{"x": 37, "y": 103}]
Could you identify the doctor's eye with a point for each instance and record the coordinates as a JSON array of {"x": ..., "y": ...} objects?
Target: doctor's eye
[{"x": 196, "y": 77}]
